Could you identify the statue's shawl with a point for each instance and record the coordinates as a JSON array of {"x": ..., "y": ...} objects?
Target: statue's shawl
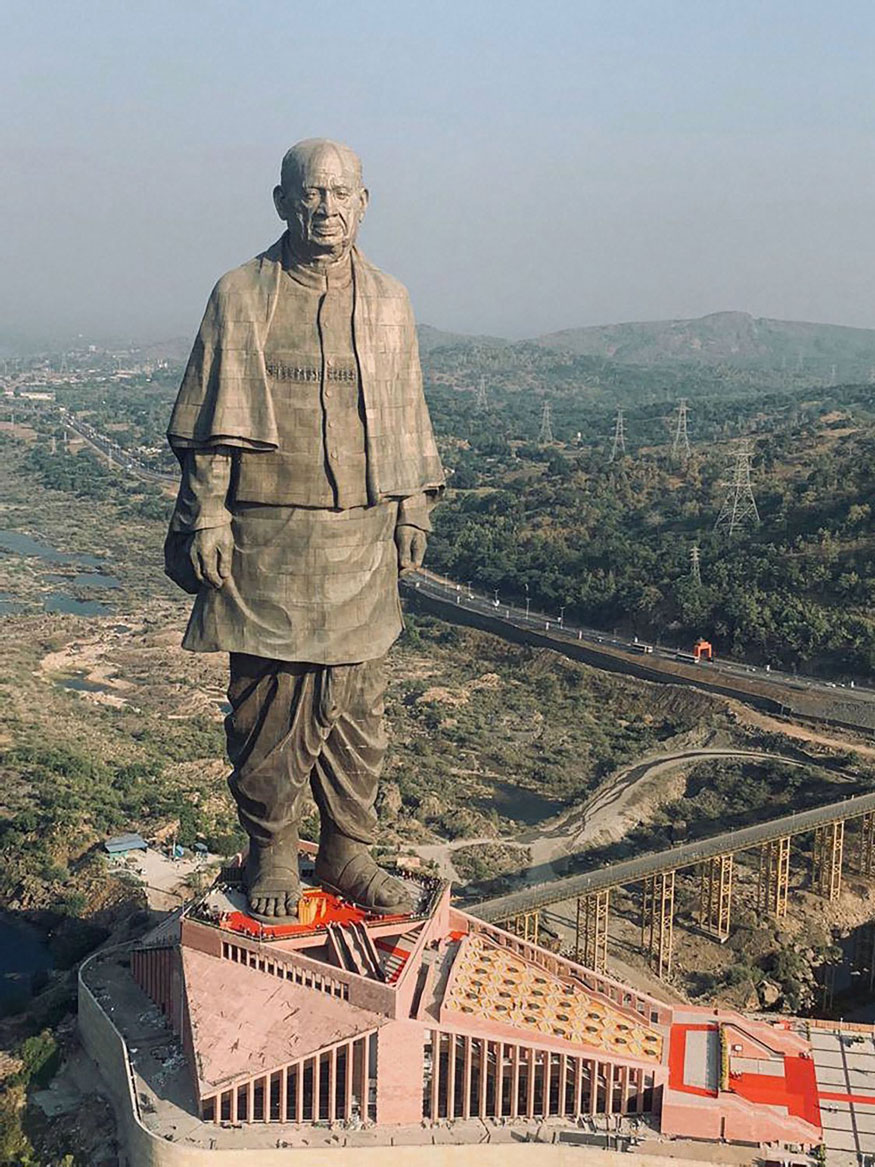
[{"x": 225, "y": 396}]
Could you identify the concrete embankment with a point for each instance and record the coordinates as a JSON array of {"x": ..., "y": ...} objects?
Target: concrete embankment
[{"x": 846, "y": 711}]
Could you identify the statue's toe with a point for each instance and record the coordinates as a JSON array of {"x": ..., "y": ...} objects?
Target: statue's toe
[{"x": 273, "y": 886}]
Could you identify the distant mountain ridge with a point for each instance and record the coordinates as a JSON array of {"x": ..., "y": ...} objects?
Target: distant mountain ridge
[
  {"x": 432, "y": 338},
  {"x": 717, "y": 338},
  {"x": 734, "y": 338}
]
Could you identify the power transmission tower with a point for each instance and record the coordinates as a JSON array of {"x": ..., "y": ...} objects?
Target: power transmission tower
[
  {"x": 680, "y": 446},
  {"x": 739, "y": 505},
  {"x": 482, "y": 398},
  {"x": 618, "y": 446},
  {"x": 545, "y": 437},
  {"x": 696, "y": 566}
]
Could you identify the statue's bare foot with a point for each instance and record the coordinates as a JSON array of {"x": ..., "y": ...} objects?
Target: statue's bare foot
[
  {"x": 347, "y": 868},
  {"x": 273, "y": 885}
]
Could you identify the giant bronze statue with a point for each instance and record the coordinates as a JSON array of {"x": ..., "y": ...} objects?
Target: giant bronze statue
[{"x": 309, "y": 469}]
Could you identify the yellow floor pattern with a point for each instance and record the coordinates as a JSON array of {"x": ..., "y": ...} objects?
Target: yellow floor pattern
[{"x": 492, "y": 982}]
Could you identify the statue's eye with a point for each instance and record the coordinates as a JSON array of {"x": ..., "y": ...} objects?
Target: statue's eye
[{"x": 342, "y": 192}]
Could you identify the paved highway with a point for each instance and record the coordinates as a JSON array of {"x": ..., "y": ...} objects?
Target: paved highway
[
  {"x": 645, "y": 657},
  {"x": 110, "y": 449},
  {"x": 632, "y": 870}
]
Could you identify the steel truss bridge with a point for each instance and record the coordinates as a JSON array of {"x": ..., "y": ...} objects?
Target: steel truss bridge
[{"x": 715, "y": 857}]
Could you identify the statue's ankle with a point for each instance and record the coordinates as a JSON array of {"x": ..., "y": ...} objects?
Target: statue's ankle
[{"x": 335, "y": 847}]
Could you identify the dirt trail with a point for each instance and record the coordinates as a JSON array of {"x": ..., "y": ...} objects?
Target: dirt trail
[{"x": 627, "y": 798}]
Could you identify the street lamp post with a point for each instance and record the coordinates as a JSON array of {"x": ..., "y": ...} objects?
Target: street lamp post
[
  {"x": 526, "y": 586},
  {"x": 561, "y": 616}
]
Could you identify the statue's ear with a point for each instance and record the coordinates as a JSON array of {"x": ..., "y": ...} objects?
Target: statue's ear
[
  {"x": 364, "y": 199},
  {"x": 279, "y": 201}
]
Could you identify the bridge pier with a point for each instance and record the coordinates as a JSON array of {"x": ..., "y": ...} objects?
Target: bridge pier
[
  {"x": 774, "y": 884},
  {"x": 827, "y": 865},
  {"x": 715, "y": 905},
  {"x": 657, "y": 920},
  {"x": 595, "y": 934},
  {"x": 867, "y": 844},
  {"x": 526, "y": 925}
]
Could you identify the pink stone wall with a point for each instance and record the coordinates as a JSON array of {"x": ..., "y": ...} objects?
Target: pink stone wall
[
  {"x": 400, "y": 1047},
  {"x": 204, "y": 939}
]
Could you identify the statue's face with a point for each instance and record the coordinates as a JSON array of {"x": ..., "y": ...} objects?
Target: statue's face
[{"x": 323, "y": 203}]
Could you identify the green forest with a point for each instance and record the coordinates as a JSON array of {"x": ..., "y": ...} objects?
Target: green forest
[{"x": 611, "y": 541}]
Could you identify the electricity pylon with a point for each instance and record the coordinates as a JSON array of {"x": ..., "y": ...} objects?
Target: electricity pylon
[
  {"x": 482, "y": 398},
  {"x": 696, "y": 566},
  {"x": 545, "y": 436},
  {"x": 618, "y": 446},
  {"x": 739, "y": 506},
  {"x": 680, "y": 446}
]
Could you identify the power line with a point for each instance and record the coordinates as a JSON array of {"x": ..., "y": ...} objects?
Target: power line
[
  {"x": 680, "y": 446},
  {"x": 545, "y": 436},
  {"x": 739, "y": 506},
  {"x": 618, "y": 446}
]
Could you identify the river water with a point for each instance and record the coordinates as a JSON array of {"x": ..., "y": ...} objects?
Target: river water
[
  {"x": 61, "y": 597},
  {"x": 519, "y": 803},
  {"x": 23, "y": 953}
]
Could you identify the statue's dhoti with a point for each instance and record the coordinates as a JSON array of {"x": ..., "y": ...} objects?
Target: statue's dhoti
[{"x": 291, "y": 722}]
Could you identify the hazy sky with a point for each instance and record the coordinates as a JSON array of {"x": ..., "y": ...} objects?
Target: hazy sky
[{"x": 532, "y": 166}]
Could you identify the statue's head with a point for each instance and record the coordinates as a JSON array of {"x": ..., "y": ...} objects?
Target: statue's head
[{"x": 321, "y": 198}]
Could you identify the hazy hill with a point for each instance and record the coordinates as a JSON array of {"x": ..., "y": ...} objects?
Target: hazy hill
[
  {"x": 725, "y": 338},
  {"x": 432, "y": 338}
]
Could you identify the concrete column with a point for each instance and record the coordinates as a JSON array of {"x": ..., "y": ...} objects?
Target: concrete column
[
  {"x": 284, "y": 1094},
  {"x": 332, "y": 1085},
  {"x": 451, "y": 1078},
  {"x": 299, "y": 1092},
  {"x": 466, "y": 1078},
  {"x": 250, "y": 1100},
  {"x": 609, "y": 1088},
  {"x": 578, "y": 1086},
  {"x": 317, "y": 1086},
  {"x": 563, "y": 1082},
  {"x": 435, "y": 1074},
  {"x": 624, "y": 1095},
  {"x": 515, "y": 1083},
  {"x": 233, "y": 1110},
  {"x": 499, "y": 1078},
  {"x": 530, "y": 1084},
  {"x": 217, "y": 1109},
  {"x": 484, "y": 1077},
  {"x": 593, "y": 1087}
]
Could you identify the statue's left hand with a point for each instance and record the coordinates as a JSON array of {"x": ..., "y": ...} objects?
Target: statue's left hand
[{"x": 411, "y": 544}]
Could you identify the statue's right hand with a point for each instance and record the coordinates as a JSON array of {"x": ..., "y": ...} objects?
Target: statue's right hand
[{"x": 210, "y": 553}]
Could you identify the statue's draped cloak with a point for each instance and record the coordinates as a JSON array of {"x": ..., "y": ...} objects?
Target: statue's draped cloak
[
  {"x": 307, "y": 583},
  {"x": 225, "y": 397}
]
